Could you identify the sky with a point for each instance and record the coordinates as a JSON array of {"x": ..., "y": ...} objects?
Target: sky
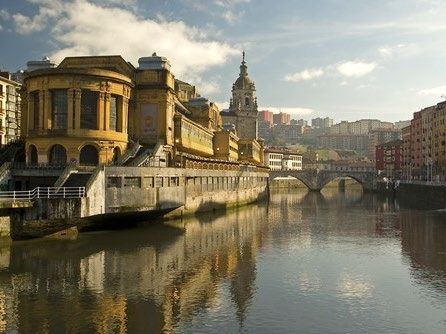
[{"x": 338, "y": 58}]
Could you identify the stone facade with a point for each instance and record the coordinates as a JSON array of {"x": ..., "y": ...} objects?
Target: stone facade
[
  {"x": 243, "y": 106},
  {"x": 9, "y": 109},
  {"x": 90, "y": 110}
]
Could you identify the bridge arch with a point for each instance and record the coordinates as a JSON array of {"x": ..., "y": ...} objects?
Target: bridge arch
[
  {"x": 329, "y": 177},
  {"x": 298, "y": 177}
]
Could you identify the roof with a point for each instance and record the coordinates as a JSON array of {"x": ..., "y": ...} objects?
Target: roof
[{"x": 113, "y": 63}]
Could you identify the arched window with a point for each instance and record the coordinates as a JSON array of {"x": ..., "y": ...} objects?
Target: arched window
[
  {"x": 32, "y": 154},
  {"x": 116, "y": 154},
  {"x": 247, "y": 101},
  {"x": 58, "y": 155},
  {"x": 89, "y": 155}
]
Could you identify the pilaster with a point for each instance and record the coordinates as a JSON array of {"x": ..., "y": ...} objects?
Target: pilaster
[
  {"x": 107, "y": 112},
  {"x": 70, "y": 108},
  {"x": 101, "y": 115},
  {"x": 123, "y": 115}
]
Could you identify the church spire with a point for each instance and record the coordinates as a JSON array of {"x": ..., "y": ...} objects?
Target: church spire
[{"x": 243, "y": 67}]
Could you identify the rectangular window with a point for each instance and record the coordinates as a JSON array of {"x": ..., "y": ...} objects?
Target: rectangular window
[
  {"x": 113, "y": 113},
  {"x": 148, "y": 182},
  {"x": 59, "y": 108},
  {"x": 113, "y": 182},
  {"x": 174, "y": 181},
  {"x": 132, "y": 182},
  {"x": 89, "y": 110},
  {"x": 158, "y": 182}
]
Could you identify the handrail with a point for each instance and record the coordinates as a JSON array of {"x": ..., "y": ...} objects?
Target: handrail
[{"x": 43, "y": 192}]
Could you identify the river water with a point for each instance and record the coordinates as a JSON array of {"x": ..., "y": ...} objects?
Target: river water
[{"x": 335, "y": 262}]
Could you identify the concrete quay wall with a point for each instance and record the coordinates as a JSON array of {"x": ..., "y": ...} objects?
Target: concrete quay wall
[
  {"x": 181, "y": 191},
  {"x": 421, "y": 196},
  {"x": 416, "y": 195},
  {"x": 143, "y": 192}
]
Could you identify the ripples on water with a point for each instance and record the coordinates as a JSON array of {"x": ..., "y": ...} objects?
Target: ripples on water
[{"x": 336, "y": 262}]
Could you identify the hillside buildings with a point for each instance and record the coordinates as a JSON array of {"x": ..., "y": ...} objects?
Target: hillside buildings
[
  {"x": 389, "y": 158},
  {"x": 283, "y": 159},
  {"x": 321, "y": 123},
  {"x": 424, "y": 144}
]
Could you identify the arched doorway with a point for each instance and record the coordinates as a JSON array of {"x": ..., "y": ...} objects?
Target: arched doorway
[
  {"x": 32, "y": 155},
  {"x": 58, "y": 155},
  {"x": 89, "y": 155}
]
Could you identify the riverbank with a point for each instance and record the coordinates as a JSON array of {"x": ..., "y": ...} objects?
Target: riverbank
[
  {"x": 416, "y": 195},
  {"x": 119, "y": 196}
]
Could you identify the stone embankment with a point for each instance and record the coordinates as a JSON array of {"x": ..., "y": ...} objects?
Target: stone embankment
[
  {"x": 120, "y": 196},
  {"x": 416, "y": 194}
]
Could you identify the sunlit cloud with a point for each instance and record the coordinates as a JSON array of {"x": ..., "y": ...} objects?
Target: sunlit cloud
[
  {"x": 355, "y": 68},
  {"x": 190, "y": 50},
  {"x": 305, "y": 75},
  {"x": 435, "y": 91}
]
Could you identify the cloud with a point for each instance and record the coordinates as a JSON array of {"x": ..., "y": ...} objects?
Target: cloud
[
  {"x": 389, "y": 51},
  {"x": 95, "y": 32},
  {"x": 222, "y": 105},
  {"x": 48, "y": 9},
  {"x": 345, "y": 69},
  {"x": 4, "y": 14},
  {"x": 437, "y": 91},
  {"x": 305, "y": 75},
  {"x": 355, "y": 68},
  {"x": 228, "y": 10}
]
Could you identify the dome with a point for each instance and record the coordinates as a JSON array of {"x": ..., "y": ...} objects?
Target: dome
[{"x": 243, "y": 81}]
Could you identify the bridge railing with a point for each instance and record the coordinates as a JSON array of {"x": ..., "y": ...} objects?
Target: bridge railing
[{"x": 43, "y": 192}]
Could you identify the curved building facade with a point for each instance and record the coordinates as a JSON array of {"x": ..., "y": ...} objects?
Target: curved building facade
[{"x": 77, "y": 112}]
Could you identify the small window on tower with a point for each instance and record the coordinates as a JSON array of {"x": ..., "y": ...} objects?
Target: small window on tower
[{"x": 246, "y": 101}]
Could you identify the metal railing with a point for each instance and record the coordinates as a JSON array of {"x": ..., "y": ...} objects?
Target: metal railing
[{"x": 43, "y": 192}]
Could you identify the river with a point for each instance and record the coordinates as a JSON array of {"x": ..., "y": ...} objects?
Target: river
[{"x": 334, "y": 262}]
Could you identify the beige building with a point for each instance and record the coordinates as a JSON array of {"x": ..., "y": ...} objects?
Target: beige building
[
  {"x": 101, "y": 109},
  {"x": 10, "y": 126}
]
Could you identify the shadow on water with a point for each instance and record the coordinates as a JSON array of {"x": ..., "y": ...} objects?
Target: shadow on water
[{"x": 200, "y": 272}]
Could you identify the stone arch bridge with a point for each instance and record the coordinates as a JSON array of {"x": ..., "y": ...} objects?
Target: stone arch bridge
[{"x": 317, "y": 179}]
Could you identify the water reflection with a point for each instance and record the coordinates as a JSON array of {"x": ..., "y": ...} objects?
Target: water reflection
[{"x": 331, "y": 258}]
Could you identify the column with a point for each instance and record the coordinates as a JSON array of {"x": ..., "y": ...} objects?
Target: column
[
  {"x": 70, "y": 109},
  {"x": 124, "y": 115},
  {"x": 77, "y": 108},
  {"x": 107, "y": 112},
  {"x": 101, "y": 105}
]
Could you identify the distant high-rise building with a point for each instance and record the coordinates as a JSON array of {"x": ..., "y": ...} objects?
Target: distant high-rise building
[
  {"x": 266, "y": 116},
  {"x": 302, "y": 122},
  {"x": 282, "y": 118},
  {"x": 401, "y": 124},
  {"x": 321, "y": 123}
]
